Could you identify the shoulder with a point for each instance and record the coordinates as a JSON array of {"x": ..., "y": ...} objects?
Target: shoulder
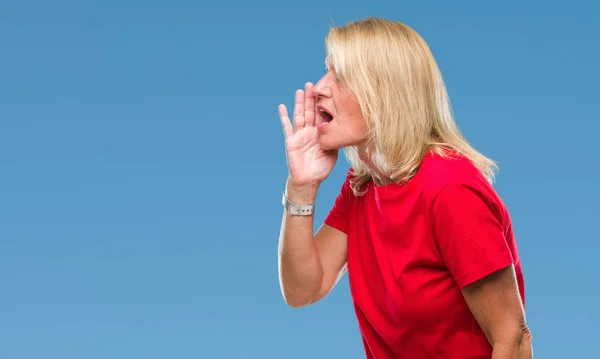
[
  {"x": 456, "y": 185},
  {"x": 452, "y": 170}
]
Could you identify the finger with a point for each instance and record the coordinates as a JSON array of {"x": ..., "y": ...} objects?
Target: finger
[
  {"x": 309, "y": 105},
  {"x": 299, "y": 110},
  {"x": 286, "y": 124}
]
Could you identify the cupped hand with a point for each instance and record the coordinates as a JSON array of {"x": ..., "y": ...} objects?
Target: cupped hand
[{"x": 308, "y": 164}]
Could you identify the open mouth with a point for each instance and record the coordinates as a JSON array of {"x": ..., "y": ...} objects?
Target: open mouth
[{"x": 327, "y": 117}]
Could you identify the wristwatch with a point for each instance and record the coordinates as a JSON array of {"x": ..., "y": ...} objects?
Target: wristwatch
[{"x": 297, "y": 209}]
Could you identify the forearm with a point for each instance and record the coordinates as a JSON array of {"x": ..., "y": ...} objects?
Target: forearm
[{"x": 300, "y": 268}]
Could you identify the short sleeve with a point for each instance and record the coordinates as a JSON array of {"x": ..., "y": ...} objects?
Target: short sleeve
[
  {"x": 338, "y": 215},
  {"x": 470, "y": 231}
]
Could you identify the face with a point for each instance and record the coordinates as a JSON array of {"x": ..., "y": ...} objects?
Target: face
[{"x": 339, "y": 118}]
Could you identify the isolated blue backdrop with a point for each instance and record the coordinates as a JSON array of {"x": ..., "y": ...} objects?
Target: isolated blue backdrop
[{"x": 142, "y": 165}]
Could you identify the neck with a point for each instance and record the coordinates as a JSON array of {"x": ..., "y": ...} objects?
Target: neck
[{"x": 379, "y": 178}]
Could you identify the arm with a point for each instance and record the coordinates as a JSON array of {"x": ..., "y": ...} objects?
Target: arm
[
  {"x": 309, "y": 266},
  {"x": 471, "y": 232},
  {"x": 496, "y": 305}
]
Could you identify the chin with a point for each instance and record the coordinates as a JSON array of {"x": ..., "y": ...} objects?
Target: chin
[
  {"x": 331, "y": 144},
  {"x": 335, "y": 141},
  {"x": 328, "y": 145}
]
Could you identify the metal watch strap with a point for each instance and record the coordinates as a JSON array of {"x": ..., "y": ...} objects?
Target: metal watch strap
[{"x": 296, "y": 209}]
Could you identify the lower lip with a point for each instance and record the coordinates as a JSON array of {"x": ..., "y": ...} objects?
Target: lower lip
[{"x": 323, "y": 125}]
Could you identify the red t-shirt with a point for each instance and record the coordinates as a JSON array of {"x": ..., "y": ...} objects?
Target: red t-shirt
[{"x": 412, "y": 248}]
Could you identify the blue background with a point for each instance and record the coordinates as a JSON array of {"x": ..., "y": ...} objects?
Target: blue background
[{"x": 142, "y": 165}]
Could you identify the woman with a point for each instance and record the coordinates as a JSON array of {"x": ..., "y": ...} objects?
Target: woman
[{"x": 433, "y": 264}]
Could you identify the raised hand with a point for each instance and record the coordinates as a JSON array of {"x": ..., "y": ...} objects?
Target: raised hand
[{"x": 308, "y": 164}]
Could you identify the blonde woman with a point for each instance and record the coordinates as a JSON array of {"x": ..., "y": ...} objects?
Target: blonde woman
[{"x": 433, "y": 264}]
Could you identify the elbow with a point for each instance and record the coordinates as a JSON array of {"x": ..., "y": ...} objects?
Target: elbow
[
  {"x": 518, "y": 338},
  {"x": 297, "y": 302},
  {"x": 298, "y": 299},
  {"x": 299, "y": 294},
  {"x": 525, "y": 337},
  {"x": 522, "y": 335}
]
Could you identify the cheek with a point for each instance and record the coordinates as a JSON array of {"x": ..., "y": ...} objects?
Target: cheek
[
  {"x": 351, "y": 134},
  {"x": 359, "y": 126}
]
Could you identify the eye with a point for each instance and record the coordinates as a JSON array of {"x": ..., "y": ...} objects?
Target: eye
[{"x": 334, "y": 75}]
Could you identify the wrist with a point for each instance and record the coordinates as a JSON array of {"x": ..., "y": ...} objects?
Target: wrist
[{"x": 301, "y": 194}]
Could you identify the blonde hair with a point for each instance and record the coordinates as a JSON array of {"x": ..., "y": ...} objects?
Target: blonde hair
[{"x": 391, "y": 72}]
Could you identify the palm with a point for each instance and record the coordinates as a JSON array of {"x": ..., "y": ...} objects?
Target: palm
[{"x": 307, "y": 162}]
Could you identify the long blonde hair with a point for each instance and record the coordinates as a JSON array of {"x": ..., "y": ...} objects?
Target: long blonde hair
[{"x": 393, "y": 75}]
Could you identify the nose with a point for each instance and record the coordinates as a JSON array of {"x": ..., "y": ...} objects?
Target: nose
[{"x": 322, "y": 88}]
